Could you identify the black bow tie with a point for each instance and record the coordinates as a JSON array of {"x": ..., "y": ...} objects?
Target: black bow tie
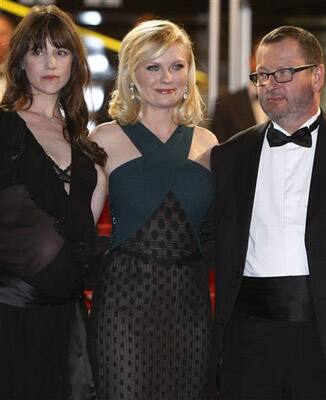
[{"x": 301, "y": 137}]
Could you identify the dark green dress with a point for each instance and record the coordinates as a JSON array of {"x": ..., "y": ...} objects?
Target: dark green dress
[{"x": 151, "y": 327}]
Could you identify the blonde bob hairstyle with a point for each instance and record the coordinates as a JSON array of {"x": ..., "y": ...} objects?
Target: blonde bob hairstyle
[{"x": 147, "y": 41}]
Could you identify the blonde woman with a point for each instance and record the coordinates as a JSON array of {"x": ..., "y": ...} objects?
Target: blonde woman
[{"x": 151, "y": 327}]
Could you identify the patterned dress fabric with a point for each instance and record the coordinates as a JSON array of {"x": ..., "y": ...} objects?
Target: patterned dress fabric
[{"x": 151, "y": 328}]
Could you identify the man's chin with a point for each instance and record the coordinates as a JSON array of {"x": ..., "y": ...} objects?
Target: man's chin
[{"x": 275, "y": 113}]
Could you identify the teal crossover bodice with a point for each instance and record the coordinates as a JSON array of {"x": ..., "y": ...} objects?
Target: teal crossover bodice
[{"x": 139, "y": 186}]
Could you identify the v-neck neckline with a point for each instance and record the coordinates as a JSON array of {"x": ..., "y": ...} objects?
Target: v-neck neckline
[
  {"x": 48, "y": 158},
  {"x": 151, "y": 133},
  {"x": 42, "y": 148}
]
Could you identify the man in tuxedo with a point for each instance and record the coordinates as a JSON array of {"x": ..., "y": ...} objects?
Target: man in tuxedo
[{"x": 271, "y": 232}]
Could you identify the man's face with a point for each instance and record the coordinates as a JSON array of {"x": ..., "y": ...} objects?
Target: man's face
[
  {"x": 289, "y": 104},
  {"x": 6, "y": 30}
]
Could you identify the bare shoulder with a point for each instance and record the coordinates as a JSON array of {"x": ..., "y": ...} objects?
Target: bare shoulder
[
  {"x": 205, "y": 136},
  {"x": 105, "y": 134}
]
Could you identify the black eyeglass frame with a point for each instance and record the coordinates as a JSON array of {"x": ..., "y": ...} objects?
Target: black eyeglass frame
[{"x": 254, "y": 76}]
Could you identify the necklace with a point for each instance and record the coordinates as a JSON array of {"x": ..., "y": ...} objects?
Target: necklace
[
  {"x": 53, "y": 118},
  {"x": 56, "y": 117}
]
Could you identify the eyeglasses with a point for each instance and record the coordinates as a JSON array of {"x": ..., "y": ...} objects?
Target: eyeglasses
[{"x": 281, "y": 75}]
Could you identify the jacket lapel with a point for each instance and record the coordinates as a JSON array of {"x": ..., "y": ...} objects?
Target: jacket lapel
[
  {"x": 316, "y": 231},
  {"x": 316, "y": 213}
]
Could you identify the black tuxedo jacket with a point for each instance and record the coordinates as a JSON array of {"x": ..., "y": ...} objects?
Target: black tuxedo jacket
[{"x": 235, "y": 165}]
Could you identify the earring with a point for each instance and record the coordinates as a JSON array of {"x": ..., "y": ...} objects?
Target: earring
[
  {"x": 132, "y": 90},
  {"x": 185, "y": 93}
]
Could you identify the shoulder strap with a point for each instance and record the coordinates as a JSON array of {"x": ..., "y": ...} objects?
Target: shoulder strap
[
  {"x": 143, "y": 139},
  {"x": 180, "y": 143},
  {"x": 146, "y": 142}
]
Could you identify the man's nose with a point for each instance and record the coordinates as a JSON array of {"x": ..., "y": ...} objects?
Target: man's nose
[{"x": 271, "y": 81}]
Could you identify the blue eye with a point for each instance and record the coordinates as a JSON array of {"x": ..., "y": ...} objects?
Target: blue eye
[
  {"x": 178, "y": 66},
  {"x": 152, "y": 68}
]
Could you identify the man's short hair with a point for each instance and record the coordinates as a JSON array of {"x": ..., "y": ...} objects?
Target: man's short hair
[{"x": 310, "y": 46}]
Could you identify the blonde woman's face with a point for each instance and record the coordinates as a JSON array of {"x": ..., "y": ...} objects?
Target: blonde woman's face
[{"x": 162, "y": 81}]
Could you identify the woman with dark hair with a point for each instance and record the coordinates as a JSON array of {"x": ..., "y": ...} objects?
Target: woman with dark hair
[
  {"x": 151, "y": 327},
  {"x": 51, "y": 194}
]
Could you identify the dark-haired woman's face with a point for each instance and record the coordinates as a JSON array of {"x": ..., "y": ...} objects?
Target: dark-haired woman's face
[{"x": 48, "y": 70}]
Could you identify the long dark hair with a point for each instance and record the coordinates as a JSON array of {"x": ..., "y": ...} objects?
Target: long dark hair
[{"x": 42, "y": 23}]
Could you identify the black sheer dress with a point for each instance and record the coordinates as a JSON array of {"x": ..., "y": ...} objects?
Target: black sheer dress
[{"x": 46, "y": 239}]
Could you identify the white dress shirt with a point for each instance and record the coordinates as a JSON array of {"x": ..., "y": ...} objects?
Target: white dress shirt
[{"x": 277, "y": 231}]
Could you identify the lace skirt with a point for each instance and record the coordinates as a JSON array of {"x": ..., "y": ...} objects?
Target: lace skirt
[{"x": 151, "y": 326}]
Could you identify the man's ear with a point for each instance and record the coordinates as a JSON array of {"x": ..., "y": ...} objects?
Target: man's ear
[{"x": 318, "y": 76}]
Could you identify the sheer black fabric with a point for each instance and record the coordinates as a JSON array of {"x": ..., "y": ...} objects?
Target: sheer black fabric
[
  {"x": 42, "y": 246},
  {"x": 28, "y": 238},
  {"x": 151, "y": 331}
]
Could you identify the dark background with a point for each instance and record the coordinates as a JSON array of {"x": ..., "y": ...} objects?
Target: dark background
[{"x": 193, "y": 15}]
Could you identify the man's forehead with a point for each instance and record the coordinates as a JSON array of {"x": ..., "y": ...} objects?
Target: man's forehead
[{"x": 282, "y": 50}]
